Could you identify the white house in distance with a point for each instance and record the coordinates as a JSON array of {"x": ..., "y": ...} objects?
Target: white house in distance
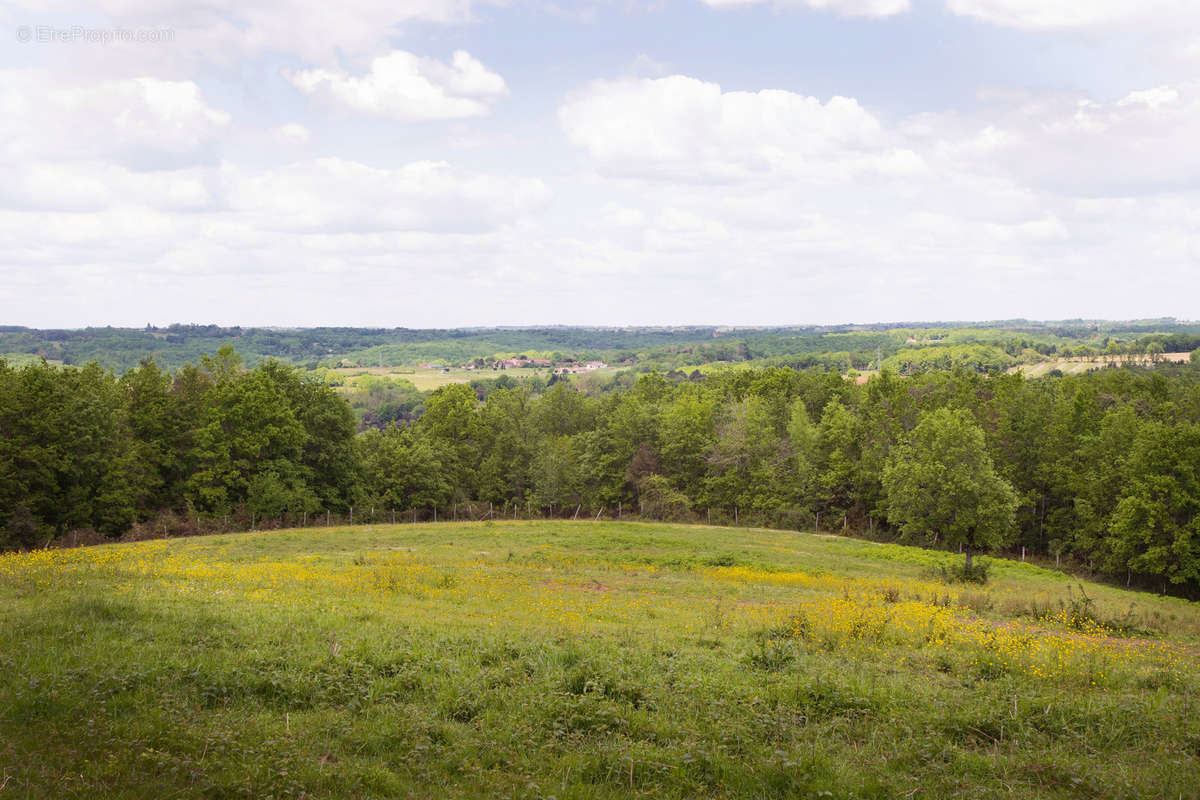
[{"x": 574, "y": 368}]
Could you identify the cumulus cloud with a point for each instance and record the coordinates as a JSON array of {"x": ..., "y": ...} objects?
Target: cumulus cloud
[
  {"x": 1045, "y": 189},
  {"x": 847, "y": 8},
  {"x": 1071, "y": 144},
  {"x": 212, "y": 242},
  {"x": 406, "y": 87},
  {"x": 138, "y": 122},
  {"x": 687, "y": 129}
]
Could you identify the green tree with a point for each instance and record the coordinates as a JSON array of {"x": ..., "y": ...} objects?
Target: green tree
[
  {"x": 401, "y": 470},
  {"x": 507, "y": 445},
  {"x": 249, "y": 429},
  {"x": 1156, "y": 525},
  {"x": 555, "y": 472},
  {"x": 65, "y": 447},
  {"x": 453, "y": 426},
  {"x": 748, "y": 458},
  {"x": 839, "y": 457},
  {"x": 153, "y": 423},
  {"x": 941, "y": 484},
  {"x": 688, "y": 432}
]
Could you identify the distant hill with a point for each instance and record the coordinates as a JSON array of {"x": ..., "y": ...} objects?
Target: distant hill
[{"x": 842, "y": 347}]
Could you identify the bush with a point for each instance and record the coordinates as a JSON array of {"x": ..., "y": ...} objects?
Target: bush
[
  {"x": 660, "y": 500},
  {"x": 979, "y": 602},
  {"x": 961, "y": 573}
]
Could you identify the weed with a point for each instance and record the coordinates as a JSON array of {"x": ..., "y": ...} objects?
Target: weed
[
  {"x": 979, "y": 602},
  {"x": 771, "y": 655}
]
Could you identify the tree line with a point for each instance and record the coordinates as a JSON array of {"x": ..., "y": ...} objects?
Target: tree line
[{"x": 1102, "y": 468}]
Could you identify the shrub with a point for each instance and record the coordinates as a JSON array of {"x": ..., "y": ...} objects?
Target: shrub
[
  {"x": 20, "y": 531},
  {"x": 957, "y": 572},
  {"x": 660, "y": 500},
  {"x": 979, "y": 602}
]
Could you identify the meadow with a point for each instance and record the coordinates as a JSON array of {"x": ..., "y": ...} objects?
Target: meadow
[
  {"x": 582, "y": 660},
  {"x": 425, "y": 380}
]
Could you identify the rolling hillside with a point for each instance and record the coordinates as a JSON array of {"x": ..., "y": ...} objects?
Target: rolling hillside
[{"x": 585, "y": 660}]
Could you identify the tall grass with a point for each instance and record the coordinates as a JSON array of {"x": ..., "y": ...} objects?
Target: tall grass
[{"x": 579, "y": 660}]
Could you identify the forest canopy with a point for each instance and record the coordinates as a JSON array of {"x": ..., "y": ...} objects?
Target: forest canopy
[{"x": 1102, "y": 467}]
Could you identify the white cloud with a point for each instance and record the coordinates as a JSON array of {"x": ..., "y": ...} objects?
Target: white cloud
[
  {"x": 847, "y": 8},
  {"x": 1067, "y": 14},
  {"x": 293, "y": 133},
  {"x": 403, "y": 86},
  {"x": 139, "y": 122},
  {"x": 143, "y": 195},
  {"x": 93, "y": 186},
  {"x": 1070, "y": 144},
  {"x": 1057, "y": 191},
  {"x": 332, "y": 195},
  {"x": 322, "y": 196},
  {"x": 683, "y": 128}
]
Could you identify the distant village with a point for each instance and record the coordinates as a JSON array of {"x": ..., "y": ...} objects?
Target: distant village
[{"x": 568, "y": 367}]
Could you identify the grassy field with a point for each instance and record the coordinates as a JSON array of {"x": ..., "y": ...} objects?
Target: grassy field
[
  {"x": 424, "y": 379},
  {"x": 581, "y": 660}
]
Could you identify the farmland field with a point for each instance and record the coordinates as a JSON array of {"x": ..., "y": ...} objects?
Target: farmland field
[
  {"x": 587, "y": 660},
  {"x": 1076, "y": 366},
  {"x": 424, "y": 379}
]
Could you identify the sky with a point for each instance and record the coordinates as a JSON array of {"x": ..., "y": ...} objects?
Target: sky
[{"x": 446, "y": 163}]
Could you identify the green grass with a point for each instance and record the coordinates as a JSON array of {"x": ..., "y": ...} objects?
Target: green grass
[{"x": 581, "y": 660}]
